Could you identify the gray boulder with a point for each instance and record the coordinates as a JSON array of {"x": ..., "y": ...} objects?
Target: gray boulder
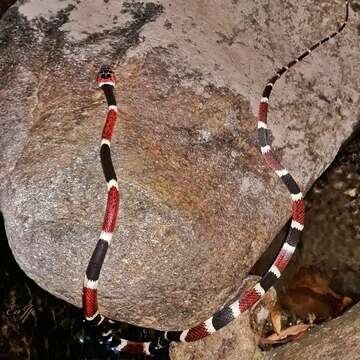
[{"x": 198, "y": 204}]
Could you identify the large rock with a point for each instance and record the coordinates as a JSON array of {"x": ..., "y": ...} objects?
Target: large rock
[
  {"x": 336, "y": 339},
  {"x": 199, "y": 205}
]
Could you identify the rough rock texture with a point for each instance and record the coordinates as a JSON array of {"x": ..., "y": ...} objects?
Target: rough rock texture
[
  {"x": 198, "y": 204},
  {"x": 336, "y": 339},
  {"x": 236, "y": 341}
]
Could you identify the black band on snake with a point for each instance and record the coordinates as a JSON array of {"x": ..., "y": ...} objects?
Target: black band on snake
[{"x": 106, "y": 81}]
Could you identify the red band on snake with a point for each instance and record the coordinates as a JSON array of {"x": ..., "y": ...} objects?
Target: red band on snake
[{"x": 106, "y": 81}]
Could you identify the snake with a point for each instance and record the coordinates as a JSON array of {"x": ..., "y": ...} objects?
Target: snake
[{"x": 106, "y": 80}]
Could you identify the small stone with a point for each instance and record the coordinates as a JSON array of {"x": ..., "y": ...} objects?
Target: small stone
[{"x": 351, "y": 192}]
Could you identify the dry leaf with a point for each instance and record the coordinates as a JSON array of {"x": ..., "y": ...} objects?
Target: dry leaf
[
  {"x": 276, "y": 320},
  {"x": 310, "y": 296},
  {"x": 289, "y": 334}
]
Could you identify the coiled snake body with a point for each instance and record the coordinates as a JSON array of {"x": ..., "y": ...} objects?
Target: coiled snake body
[{"x": 106, "y": 81}]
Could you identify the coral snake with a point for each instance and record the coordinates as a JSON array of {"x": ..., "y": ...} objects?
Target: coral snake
[{"x": 106, "y": 81}]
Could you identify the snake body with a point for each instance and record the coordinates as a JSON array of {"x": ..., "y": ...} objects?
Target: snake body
[{"x": 106, "y": 81}]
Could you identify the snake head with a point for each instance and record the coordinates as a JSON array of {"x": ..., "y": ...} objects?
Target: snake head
[{"x": 106, "y": 76}]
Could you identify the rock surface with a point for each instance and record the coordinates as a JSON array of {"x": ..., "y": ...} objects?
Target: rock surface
[
  {"x": 236, "y": 341},
  {"x": 336, "y": 339},
  {"x": 198, "y": 204}
]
